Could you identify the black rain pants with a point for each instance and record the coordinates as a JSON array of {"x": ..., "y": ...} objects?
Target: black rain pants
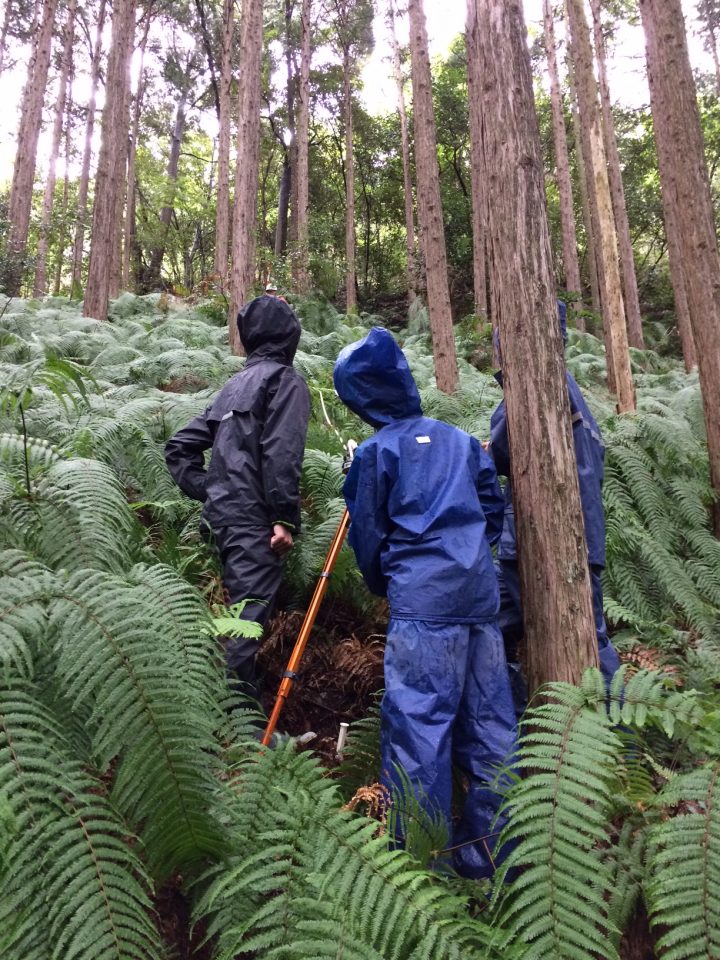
[{"x": 251, "y": 571}]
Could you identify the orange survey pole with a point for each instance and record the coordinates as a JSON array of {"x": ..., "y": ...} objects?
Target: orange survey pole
[{"x": 290, "y": 674}]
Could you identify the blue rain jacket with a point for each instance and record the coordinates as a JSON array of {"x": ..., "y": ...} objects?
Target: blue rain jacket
[
  {"x": 423, "y": 496},
  {"x": 590, "y": 457}
]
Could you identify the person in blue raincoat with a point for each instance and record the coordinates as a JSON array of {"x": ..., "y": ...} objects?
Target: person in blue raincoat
[
  {"x": 425, "y": 506},
  {"x": 590, "y": 457}
]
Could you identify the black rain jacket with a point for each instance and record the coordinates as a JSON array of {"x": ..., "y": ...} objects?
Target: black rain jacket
[{"x": 256, "y": 427}]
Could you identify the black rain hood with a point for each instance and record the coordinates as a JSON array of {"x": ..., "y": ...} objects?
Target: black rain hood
[{"x": 269, "y": 330}]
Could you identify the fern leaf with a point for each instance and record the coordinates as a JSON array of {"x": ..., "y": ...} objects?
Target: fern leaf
[
  {"x": 683, "y": 888},
  {"x": 558, "y": 815},
  {"x": 73, "y": 889}
]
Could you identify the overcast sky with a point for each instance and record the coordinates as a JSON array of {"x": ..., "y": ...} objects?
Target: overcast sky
[{"x": 446, "y": 19}]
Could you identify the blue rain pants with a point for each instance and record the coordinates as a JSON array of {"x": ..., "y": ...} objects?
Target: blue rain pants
[
  {"x": 510, "y": 620},
  {"x": 447, "y": 700}
]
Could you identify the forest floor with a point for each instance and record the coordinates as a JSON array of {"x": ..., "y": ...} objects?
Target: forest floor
[{"x": 341, "y": 671}]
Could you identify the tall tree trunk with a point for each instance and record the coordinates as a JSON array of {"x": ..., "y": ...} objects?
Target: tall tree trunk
[
  {"x": 21, "y": 189},
  {"x": 40, "y": 288},
  {"x": 3, "y": 34},
  {"x": 430, "y": 214},
  {"x": 622, "y": 225},
  {"x": 479, "y": 200},
  {"x": 677, "y": 277},
  {"x": 302, "y": 222},
  {"x": 287, "y": 185},
  {"x": 552, "y": 552},
  {"x": 130, "y": 228},
  {"x": 611, "y": 291},
  {"x": 153, "y": 276},
  {"x": 222, "y": 223},
  {"x": 64, "y": 227},
  {"x": 111, "y": 163},
  {"x": 82, "y": 205},
  {"x": 122, "y": 146},
  {"x": 590, "y": 197},
  {"x": 350, "y": 268},
  {"x": 684, "y": 176},
  {"x": 708, "y": 13},
  {"x": 281, "y": 227},
  {"x": 410, "y": 247},
  {"x": 248, "y": 155},
  {"x": 571, "y": 267},
  {"x": 590, "y": 247}
]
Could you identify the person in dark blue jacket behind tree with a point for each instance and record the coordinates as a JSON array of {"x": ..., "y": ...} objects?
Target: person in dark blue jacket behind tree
[
  {"x": 425, "y": 506},
  {"x": 590, "y": 456},
  {"x": 256, "y": 428}
]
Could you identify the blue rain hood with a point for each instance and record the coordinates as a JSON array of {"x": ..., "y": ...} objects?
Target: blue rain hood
[{"x": 373, "y": 379}]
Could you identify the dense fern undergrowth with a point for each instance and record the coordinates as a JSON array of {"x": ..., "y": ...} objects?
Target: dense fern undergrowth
[{"x": 122, "y": 765}]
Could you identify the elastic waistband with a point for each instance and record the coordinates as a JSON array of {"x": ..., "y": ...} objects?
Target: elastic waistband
[{"x": 434, "y": 619}]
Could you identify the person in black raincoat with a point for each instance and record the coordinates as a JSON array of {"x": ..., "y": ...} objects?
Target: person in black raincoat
[
  {"x": 590, "y": 457},
  {"x": 256, "y": 429},
  {"x": 425, "y": 506}
]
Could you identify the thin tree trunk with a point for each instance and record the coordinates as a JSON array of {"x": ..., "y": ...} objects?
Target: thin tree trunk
[
  {"x": 40, "y": 288},
  {"x": 289, "y": 153},
  {"x": 302, "y": 270},
  {"x": 210, "y": 52},
  {"x": 154, "y": 271},
  {"x": 479, "y": 200},
  {"x": 430, "y": 213},
  {"x": 222, "y": 224},
  {"x": 590, "y": 197},
  {"x": 64, "y": 232},
  {"x": 552, "y": 552},
  {"x": 122, "y": 147},
  {"x": 281, "y": 227},
  {"x": 571, "y": 267},
  {"x": 350, "y": 268},
  {"x": 21, "y": 189},
  {"x": 410, "y": 246},
  {"x": 590, "y": 254},
  {"x": 677, "y": 277},
  {"x": 248, "y": 155},
  {"x": 111, "y": 164},
  {"x": 82, "y": 205},
  {"x": 3, "y": 35},
  {"x": 627, "y": 259},
  {"x": 611, "y": 292},
  {"x": 684, "y": 177},
  {"x": 707, "y": 12},
  {"x": 130, "y": 229}
]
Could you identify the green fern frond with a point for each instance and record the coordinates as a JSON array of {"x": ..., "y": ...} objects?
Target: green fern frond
[
  {"x": 152, "y": 707},
  {"x": 648, "y": 696},
  {"x": 322, "y": 479},
  {"x": 361, "y": 755},
  {"x": 315, "y": 881},
  {"x": 73, "y": 888},
  {"x": 683, "y": 886},
  {"x": 558, "y": 905},
  {"x": 626, "y": 859}
]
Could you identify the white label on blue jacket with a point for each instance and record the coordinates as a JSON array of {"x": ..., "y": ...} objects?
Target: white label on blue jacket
[{"x": 423, "y": 439}]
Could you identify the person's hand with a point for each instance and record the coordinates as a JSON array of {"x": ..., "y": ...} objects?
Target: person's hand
[
  {"x": 485, "y": 445},
  {"x": 281, "y": 541}
]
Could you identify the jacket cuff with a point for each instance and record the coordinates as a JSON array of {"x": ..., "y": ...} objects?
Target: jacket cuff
[{"x": 286, "y": 523}]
